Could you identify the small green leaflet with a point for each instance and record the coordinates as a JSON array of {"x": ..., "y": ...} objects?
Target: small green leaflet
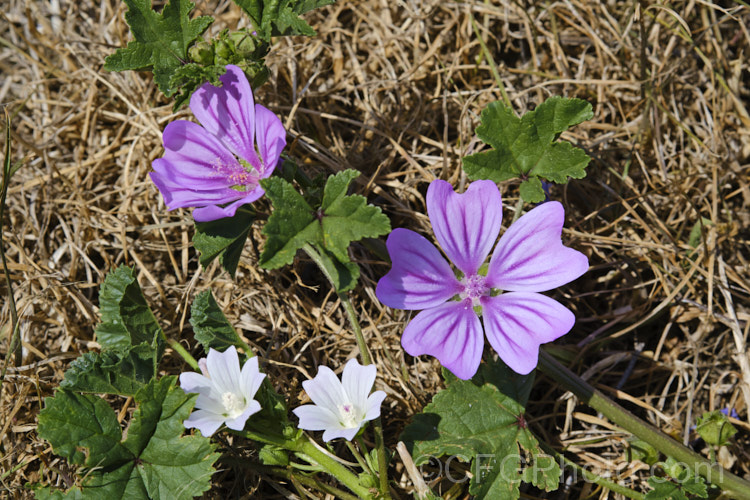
[
  {"x": 280, "y": 17},
  {"x": 715, "y": 428},
  {"x": 153, "y": 461},
  {"x": 210, "y": 326},
  {"x": 224, "y": 238},
  {"x": 474, "y": 421},
  {"x": 527, "y": 148},
  {"x": 339, "y": 220},
  {"x": 161, "y": 40}
]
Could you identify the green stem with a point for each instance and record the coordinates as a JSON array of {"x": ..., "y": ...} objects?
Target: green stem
[
  {"x": 304, "y": 446},
  {"x": 177, "y": 347},
  {"x": 344, "y": 475},
  {"x": 519, "y": 207},
  {"x": 590, "y": 476},
  {"x": 733, "y": 485},
  {"x": 491, "y": 63},
  {"x": 366, "y": 360},
  {"x": 14, "y": 343},
  {"x": 358, "y": 456}
]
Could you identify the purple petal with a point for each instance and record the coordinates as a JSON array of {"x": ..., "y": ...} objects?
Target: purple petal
[
  {"x": 213, "y": 212},
  {"x": 198, "y": 154},
  {"x": 517, "y": 323},
  {"x": 452, "y": 333},
  {"x": 466, "y": 225},
  {"x": 228, "y": 112},
  {"x": 420, "y": 277},
  {"x": 271, "y": 138},
  {"x": 357, "y": 381},
  {"x": 530, "y": 256}
]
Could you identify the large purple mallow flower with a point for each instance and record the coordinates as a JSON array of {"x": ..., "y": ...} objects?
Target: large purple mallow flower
[
  {"x": 528, "y": 259},
  {"x": 222, "y": 161}
]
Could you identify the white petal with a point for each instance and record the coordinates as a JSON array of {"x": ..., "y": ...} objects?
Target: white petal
[
  {"x": 373, "y": 405},
  {"x": 326, "y": 390},
  {"x": 194, "y": 382},
  {"x": 224, "y": 369},
  {"x": 239, "y": 423},
  {"x": 251, "y": 378},
  {"x": 315, "y": 418},
  {"x": 347, "y": 434},
  {"x": 357, "y": 381},
  {"x": 204, "y": 421}
]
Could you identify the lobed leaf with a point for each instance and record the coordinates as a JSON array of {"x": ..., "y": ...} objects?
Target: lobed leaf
[
  {"x": 153, "y": 461},
  {"x": 126, "y": 319},
  {"x": 527, "y": 147},
  {"x": 474, "y": 421},
  {"x": 331, "y": 228},
  {"x": 161, "y": 40},
  {"x": 210, "y": 326},
  {"x": 280, "y": 17},
  {"x": 113, "y": 371}
]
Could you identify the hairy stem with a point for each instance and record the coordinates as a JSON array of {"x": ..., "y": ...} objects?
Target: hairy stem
[
  {"x": 733, "y": 485},
  {"x": 366, "y": 360}
]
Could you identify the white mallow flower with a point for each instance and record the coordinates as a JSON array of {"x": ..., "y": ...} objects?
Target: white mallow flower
[
  {"x": 341, "y": 407},
  {"x": 225, "y": 394}
]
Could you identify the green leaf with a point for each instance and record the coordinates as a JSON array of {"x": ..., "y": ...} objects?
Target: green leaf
[
  {"x": 223, "y": 238},
  {"x": 527, "y": 147},
  {"x": 474, "y": 421},
  {"x": 340, "y": 220},
  {"x": 153, "y": 461},
  {"x": 664, "y": 489},
  {"x": 348, "y": 218},
  {"x": 291, "y": 225},
  {"x": 639, "y": 449},
  {"x": 83, "y": 429},
  {"x": 161, "y": 40},
  {"x": 126, "y": 318},
  {"x": 715, "y": 428},
  {"x": 280, "y": 17},
  {"x": 113, "y": 371},
  {"x": 212, "y": 329},
  {"x": 531, "y": 190}
]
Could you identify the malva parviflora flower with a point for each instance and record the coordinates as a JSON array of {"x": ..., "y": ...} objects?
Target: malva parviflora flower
[
  {"x": 222, "y": 161},
  {"x": 225, "y": 394},
  {"x": 528, "y": 259},
  {"x": 340, "y": 407}
]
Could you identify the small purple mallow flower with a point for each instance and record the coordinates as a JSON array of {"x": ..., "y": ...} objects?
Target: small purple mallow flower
[
  {"x": 341, "y": 407},
  {"x": 222, "y": 161},
  {"x": 529, "y": 258},
  {"x": 225, "y": 394}
]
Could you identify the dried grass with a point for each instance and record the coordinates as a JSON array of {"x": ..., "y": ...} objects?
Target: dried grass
[{"x": 394, "y": 90}]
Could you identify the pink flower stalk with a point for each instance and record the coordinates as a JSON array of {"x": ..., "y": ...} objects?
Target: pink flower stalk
[
  {"x": 529, "y": 258},
  {"x": 222, "y": 161}
]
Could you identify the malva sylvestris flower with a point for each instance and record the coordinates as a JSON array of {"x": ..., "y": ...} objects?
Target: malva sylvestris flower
[
  {"x": 340, "y": 407},
  {"x": 222, "y": 161},
  {"x": 225, "y": 393},
  {"x": 529, "y": 258}
]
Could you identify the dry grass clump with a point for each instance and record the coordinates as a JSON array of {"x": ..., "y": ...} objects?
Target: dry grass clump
[{"x": 394, "y": 91}]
